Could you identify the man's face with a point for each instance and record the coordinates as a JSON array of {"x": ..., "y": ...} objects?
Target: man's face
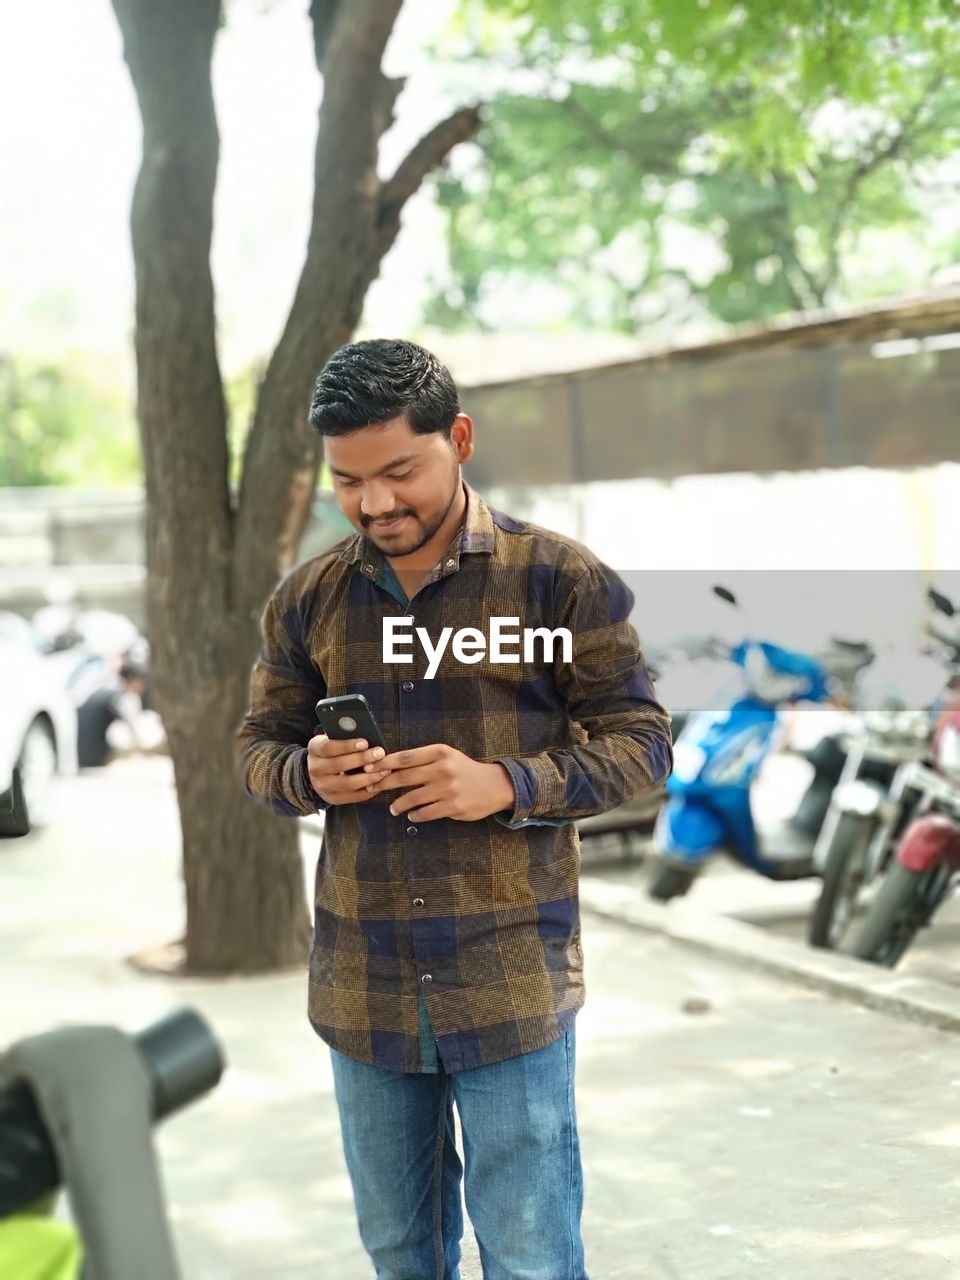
[{"x": 396, "y": 486}]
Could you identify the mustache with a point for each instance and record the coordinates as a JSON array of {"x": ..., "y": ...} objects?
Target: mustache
[{"x": 366, "y": 521}]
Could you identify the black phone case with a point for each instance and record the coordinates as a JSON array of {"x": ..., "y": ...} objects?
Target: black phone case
[{"x": 331, "y": 710}]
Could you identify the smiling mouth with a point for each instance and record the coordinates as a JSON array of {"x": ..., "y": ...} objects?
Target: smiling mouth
[{"x": 387, "y": 526}]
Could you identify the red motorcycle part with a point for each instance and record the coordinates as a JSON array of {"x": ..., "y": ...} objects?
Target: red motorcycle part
[{"x": 929, "y": 841}]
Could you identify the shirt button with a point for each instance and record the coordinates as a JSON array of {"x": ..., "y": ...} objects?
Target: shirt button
[
  {"x": 451, "y": 563},
  {"x": 368, "y": 568},
  {"x": 411, "y": 831},
  {"x": 426, "y": 979},
  {"x": 418, "y": 902},
  {"x": 407, "y": 686}
]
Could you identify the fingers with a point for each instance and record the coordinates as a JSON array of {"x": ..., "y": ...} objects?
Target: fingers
[
  {"x": 430, "y": 813},
  {"x": 403, "y": 777},
  {"x": 378, "y": 783},
  {"x": 354, "y": 782},
  {"x": 426, "y": 775},
  {"x": 328, "y": 757},
  {"x": 328, "y": 762},
  {"x": 415, "y": 757},
  {"x": 418, "y": 796},
  {"x": 326, "y": 748},
  {"x": 348, "y": 788}
]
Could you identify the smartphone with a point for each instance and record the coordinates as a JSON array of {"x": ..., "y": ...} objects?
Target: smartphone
[{"x": 349, "y": 716}]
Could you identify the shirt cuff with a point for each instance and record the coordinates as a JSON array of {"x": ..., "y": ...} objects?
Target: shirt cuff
[
  {"x": 525, "y": 789},
  {"x": 298, "y": 783},
  {"x": 532, "y": 822}
]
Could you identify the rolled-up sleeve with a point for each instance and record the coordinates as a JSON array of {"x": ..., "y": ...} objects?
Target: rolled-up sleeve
[
  {"x": 271, "y": 747},
  {"x": 609, "y": 695}
]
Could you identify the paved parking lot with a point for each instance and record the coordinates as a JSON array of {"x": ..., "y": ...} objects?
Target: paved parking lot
[{"x": 734, "y": 1126}]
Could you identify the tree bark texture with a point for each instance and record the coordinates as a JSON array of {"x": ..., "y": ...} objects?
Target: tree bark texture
[{"x": 210, "y": 563}]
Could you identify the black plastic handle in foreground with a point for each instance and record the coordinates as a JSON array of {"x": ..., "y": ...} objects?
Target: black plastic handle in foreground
[{"x": 184, "y": 1060}]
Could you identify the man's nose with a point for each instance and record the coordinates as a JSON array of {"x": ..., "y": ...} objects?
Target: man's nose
[{"x": 376, "y": 499}]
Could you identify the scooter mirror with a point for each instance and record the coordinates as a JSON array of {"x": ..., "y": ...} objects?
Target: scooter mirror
[
  {"x": 940, "y": 602},
  {"x": 725, "y": 594}
]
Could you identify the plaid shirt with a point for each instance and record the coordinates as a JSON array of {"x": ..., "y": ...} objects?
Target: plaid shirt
[{"x": 455, "y": 938}]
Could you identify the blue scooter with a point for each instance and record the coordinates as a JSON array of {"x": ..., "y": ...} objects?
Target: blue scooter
[{"x": 718, "y": 755}]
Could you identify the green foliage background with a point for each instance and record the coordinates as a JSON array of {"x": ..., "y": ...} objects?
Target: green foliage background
[
  {"x": 801, "y": 152},
  {"x": 797, "y": 146},
  {"x": 68, "y": 422}
]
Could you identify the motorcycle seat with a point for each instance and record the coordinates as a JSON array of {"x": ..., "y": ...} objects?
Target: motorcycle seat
[
  {"x": 787, "y": 848},
  {"x": 854, "y": 646}
]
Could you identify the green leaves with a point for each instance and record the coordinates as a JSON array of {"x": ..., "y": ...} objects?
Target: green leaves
[
  {"x": 61, "y": 425},
  {"x": 772, "y": 135}
]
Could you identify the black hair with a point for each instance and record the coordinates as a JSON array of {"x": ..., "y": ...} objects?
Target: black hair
[{"x": 369, "y": 382}]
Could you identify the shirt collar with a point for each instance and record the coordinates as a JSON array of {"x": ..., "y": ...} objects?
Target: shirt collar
[{"x": 477, "y": 534}]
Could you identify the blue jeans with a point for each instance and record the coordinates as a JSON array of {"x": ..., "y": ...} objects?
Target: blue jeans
[{"x": 523, "y": 1181}]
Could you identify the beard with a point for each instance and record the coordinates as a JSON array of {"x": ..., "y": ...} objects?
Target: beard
[{"x": 425, "y": 529}]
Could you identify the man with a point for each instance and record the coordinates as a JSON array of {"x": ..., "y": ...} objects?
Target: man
[
  {"x": 446, "y": 964},
  {"x": 105, "y": 706}
]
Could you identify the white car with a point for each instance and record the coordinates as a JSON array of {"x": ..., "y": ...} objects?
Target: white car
[{"x": 38, "y": 726}]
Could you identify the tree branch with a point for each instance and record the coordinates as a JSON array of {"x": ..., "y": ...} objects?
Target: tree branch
[
  {"x": 880, "y": 153},
  {"x": 355, "y": 219},
  {"x": 432, "y": 149},
  {"x": 724, "y": 104},
  {"x": 323, "y": 16},
  {"x": 343, "y": 256},
  {"x": 889, "y": 148},
  {"x": 592, "y": 127},
  {"x": 789, "y": 257},
  {"x": 627, "y": 297},
  {"x": 787, "y": 251}
]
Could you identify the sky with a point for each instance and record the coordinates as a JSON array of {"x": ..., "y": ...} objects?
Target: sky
[{"x": 66, "y": 273}]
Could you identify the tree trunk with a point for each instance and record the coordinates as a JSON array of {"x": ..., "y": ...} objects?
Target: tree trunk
[
  {"x": 242, "y": 870},
  {"x": 210, "y": 566}
]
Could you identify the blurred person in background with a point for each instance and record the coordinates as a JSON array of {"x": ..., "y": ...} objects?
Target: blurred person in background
[{"x": 120, "y": 702}]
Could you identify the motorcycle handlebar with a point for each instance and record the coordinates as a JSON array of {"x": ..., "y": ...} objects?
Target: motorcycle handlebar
[
  {"x": 183, "y": 1060},
  {"x": 949, "y": 640}
]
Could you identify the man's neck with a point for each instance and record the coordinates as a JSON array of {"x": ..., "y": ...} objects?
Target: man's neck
[
  {"x": 412, "y": 569},
  {"x": 425, "y": 557}
]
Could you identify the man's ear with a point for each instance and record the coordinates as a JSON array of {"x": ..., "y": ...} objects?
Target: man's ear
[{"x": 461, "y": 437}]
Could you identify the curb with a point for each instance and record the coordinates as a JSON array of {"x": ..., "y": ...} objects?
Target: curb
[{"x": 923, "y": 1000}]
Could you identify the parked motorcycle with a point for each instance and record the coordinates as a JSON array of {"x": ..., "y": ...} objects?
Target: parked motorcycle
[
  {"x": 869, "y": 810},
  {"x": 690, "y": 674},
  {"x": 877, "y": 794},
  {"x": 925, "y": 868},
  {"x": 717, "y": 758}
]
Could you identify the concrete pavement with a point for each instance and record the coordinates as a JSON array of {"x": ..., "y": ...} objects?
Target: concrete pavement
[{"x": 734, "y": 1125}]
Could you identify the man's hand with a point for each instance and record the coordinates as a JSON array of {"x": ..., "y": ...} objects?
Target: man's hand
[
  {"x": 445, "y": 784},
  {"x": 328, "y": 761}
]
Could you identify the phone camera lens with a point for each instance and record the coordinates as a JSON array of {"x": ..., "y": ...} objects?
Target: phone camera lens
[{"x": 347, "y": 723}]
